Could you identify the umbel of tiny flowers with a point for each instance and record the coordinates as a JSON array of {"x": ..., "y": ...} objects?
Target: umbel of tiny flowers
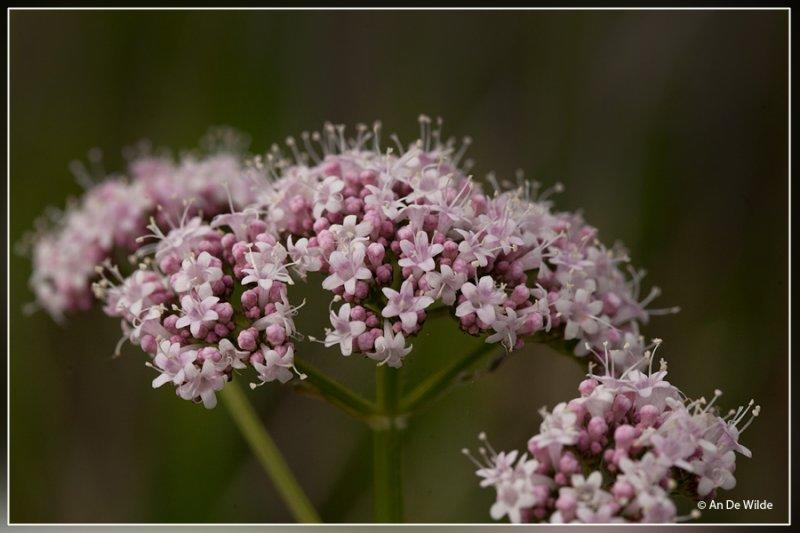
[
  {"x": 395, "y": 233},
  {"x": 620, "y": 452}
]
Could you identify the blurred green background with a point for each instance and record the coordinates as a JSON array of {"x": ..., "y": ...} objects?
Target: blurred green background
[{"x": 669, "y": 130}]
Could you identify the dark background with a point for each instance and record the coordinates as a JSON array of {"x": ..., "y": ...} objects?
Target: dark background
[{"x": 669, "y": 130}]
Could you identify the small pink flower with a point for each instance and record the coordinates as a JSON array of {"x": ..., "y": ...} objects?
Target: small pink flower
[
  {"x": 276, "y": 366},
  {"x": 404, "y": 304},
  {"x": 482, "y": 299},
  {"x": 580, "y": 312},
  {"x": 327, "y": 196},
  {"x": 202, "y": 383},
  {"x": 419, "y": 254},
  {"x": 197, "y": 313},
  {"x": 344, "y": 330},
  {"x": 346, "y": 268},
  {"x": 171, "y": 360},
  {"x": 194, "y": 272},
  {"x": 266, "y": 265},
  {"x": 390, "y": 349}
]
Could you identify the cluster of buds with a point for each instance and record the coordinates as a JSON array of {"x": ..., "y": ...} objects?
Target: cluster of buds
[
  {"x": 113, "y": 212},
  {"x": 394, "y": 233},
  {"x": 620, "y": 452}
]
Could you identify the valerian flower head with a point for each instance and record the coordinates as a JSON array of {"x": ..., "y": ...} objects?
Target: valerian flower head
[{"x": 394, "y": 235}]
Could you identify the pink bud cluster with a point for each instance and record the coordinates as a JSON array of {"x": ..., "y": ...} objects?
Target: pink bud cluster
[
  {"x": 620, "y": 452},
  {"x": 106, "y": 221}
]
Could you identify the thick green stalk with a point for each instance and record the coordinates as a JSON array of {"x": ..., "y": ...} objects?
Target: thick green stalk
[
  {"x": 437, "y": 383},
  {"x": 267, "y": 453},
  {"x": 387, "y": 447}
]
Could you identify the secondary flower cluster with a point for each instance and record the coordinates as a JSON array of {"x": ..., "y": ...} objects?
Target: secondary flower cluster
[
  {"x": 106, "y": 221},
  {"x": 619, "y": 452}
]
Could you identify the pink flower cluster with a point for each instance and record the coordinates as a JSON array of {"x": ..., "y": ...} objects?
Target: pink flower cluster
[
  {"x": 106, "y": 221},
  {"x": 393, "y": 234},
  {"x": 619, "y": 452}
]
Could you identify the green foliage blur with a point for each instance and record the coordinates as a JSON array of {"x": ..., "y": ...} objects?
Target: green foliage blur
[{"x": 669, "y": 130}]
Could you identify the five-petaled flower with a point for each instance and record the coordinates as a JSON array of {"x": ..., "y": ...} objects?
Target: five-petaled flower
[
  {"x": 405, "y": 305},
  {"x": 344, "y": 330}
]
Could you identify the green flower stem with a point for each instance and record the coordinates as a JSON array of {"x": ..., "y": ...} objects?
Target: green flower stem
[
  {"x": 387, "y": 447},
  {"x": 318, "y": 384},
  {"x": 436, "y": 384},
  {"x": 267, "y": 453}
]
